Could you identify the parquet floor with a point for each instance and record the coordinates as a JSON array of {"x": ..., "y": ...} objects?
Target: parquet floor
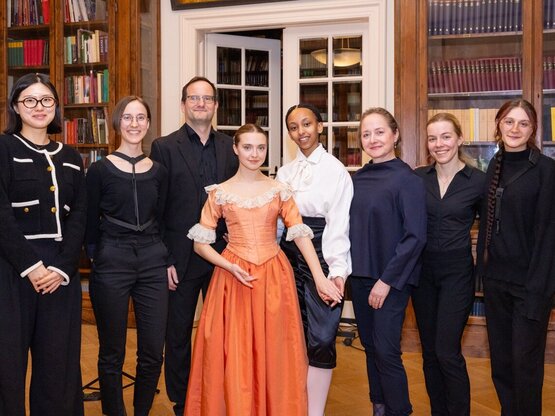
[{"x": 349, "y": 391}]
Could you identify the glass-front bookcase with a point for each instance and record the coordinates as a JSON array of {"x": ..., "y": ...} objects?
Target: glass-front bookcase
[
  {"x": 474, "y": 66},
  {"x": 548, "y": 110}
]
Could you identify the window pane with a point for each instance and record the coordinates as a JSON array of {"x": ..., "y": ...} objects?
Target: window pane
[
  {"x": 229, "y": 110},
  {"x": 347, "y": 55},
  {"x": 229, "y": 66},
  {"x": 346, "y": 145},
  {"x": 317, "y": 95},
  {"x": 256, "y": 63},
  {"x": 347, "y": 104},
  {"x": 257, "y": 107},
  {"x": 314, "y": 58}
]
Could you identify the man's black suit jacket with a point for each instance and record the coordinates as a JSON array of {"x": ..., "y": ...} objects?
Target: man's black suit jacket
[{"x": 186, "y": 195}]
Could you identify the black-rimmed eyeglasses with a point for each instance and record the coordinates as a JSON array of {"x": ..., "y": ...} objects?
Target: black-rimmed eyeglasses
[{"x": 32, "y": 102}]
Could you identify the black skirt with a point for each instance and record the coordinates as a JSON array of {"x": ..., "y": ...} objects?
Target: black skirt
[{"x": 320, "y": 321}]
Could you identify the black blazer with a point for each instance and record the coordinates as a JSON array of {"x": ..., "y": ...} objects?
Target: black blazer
[{"x": 186, "y": 194}]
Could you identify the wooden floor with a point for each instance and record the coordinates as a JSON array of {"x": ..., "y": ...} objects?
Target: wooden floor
[{"x": 349, "y": 391}]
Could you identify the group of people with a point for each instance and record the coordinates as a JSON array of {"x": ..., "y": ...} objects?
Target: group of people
[{"x": 199, "y": 215}]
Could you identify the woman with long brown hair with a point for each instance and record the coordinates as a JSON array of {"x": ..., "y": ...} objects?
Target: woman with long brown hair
[{"x": 515, "y": 246}]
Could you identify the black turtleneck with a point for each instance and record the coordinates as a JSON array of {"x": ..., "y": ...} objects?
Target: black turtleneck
[{"x": 512, "y": 245}]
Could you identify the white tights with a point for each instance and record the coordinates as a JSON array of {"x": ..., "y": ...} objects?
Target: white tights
[{"x": 318, "y": 385}]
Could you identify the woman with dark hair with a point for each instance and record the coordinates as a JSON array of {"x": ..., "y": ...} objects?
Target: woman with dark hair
[
  {"x": 42, "y": 222},
  {"x": 126, "y": 192},
  {"x": 445, "y": 293},
  {"x": 323, "y": 191},
  {"x": 388, "y": 233},
  {"x": 249, "y": 356},
  {"x": 515, "y": 261}
]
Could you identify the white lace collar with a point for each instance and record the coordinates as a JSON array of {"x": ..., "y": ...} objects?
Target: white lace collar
[{"x": 223, "y": 197}]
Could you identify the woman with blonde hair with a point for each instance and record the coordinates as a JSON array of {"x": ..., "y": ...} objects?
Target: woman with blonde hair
[
  {"x": 445, "y": 293},
  {"x": 388, "y": 233},
  {"x": 249, "y": 356}
]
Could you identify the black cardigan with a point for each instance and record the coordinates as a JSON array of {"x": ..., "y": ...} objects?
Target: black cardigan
[{"x": 42, "y": 197}]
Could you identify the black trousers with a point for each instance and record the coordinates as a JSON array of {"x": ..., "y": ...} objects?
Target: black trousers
[
  {"x": 50, "y": 327},
  {"x": 134, "y": 268},
  {"x": 380, "y": 334},
  {"x": 442, "y": 302},
  {"x": 517, "y": 348},
  {"x": 320, "y": 322},
  {"x": 181, "y": 316}
]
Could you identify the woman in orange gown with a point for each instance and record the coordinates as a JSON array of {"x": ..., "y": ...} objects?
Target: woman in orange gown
[{"x": 249, "y": 356}]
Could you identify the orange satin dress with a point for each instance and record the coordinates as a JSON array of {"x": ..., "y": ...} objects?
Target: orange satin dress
[{"x": 249, "y": 356}]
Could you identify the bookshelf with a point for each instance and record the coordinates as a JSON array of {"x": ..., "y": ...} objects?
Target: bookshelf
[
  {"x": 76, "y": 43},
  {"x": 470, "y": 56}
]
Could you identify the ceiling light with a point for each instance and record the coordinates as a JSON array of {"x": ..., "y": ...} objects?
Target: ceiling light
[{"x": 341, "y": 56}]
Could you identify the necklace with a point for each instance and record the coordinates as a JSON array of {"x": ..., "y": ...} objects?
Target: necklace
[
  {"x": 40, "y": 146},
  {"x": 35, "y": 145}
]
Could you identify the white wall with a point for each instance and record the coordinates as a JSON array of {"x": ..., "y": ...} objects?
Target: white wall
[{"x": 172, "y": 58}]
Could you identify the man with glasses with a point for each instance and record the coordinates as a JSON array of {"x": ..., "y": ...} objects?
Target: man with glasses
[{"x": 196, "y": 156}]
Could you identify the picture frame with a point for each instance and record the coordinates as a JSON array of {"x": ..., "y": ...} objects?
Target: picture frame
[{"x": 198, "y": 4}]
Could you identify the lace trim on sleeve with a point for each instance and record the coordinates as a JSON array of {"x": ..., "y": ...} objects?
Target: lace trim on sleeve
[
  {"x": 201, "y": 234},
  {"x": 299, "y": 230},
  {"x": 222, "y": 197},
  {"x": 286, "y": 192}
]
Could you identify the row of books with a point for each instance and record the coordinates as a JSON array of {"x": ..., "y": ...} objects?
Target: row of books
[
  {"x": 483, "y": 74},
  {"x": 86, "y": 46},
  {"x": 548, "y": 123},
  {"x": 91, "y": 156},
  {"x": 478, "y": 124},
  {"x": 349, "y": 156},
  {"x": 478, "y": 308},
  {"x": 84, "y": 10},
  {"x": 258, "y": 100},
  {"x": 91, "y": 129},
  {"x": 28, "y": 52},
  {"x": 28, "y": 12},
  {"x": 89, "y": 88},
  {"x": 472, "y": 75},
  {"x": 459, "y": 17},
  {"x": 229, "y": 71},
  {"x": 258, "y": 120}
]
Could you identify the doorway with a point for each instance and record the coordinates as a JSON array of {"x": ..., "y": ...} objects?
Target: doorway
[{"x": 183, "y": 40}]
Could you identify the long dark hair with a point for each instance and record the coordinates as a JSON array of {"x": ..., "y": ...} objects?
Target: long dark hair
[
  {"x": 498, "y": 158},
  {"x": 15, "y": 124}
]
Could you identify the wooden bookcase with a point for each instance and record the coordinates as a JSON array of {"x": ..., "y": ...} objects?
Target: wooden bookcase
[
  {"x": 468, "y": 57},
  {"x": 83, "y": 44}
]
